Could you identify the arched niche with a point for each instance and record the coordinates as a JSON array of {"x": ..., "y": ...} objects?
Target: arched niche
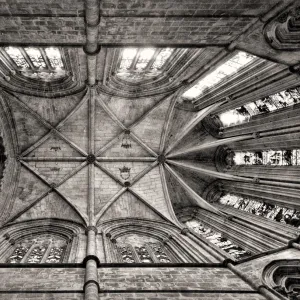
[{"x": 283, "y": 277}]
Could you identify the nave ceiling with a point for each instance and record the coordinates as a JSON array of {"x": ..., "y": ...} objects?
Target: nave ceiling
[{"x": 120, "y": 148}]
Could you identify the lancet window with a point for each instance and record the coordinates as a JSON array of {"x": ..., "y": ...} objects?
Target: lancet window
[
  {"x": 42, "y": 249},
  {"x": 137, "y": 64},
  {"x": 271, "y": 103},
  {"x": 271, "y": 211},
  {"x": 45, "y": 64},
  {"x": 218, "y": 239},
  {"x": 268, "y": 157},
  {"x": 236, "y": 63}
]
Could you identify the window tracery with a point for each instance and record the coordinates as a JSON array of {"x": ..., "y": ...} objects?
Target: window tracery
[
  {"x": 45, "y": 64},
  {"x": 137, "y": 64},
  {"x": 135, "y": 249},
  {"x": 18, "y": 254},
  {"x": 270, "y": 211},
  {"x": 227, "y": 69},
  {"x": 143, "y": 254},
  {"x": 126, "y": 254},
  {"x": 267, "y": 157},
  {"x": 271, "y": 103},
  {"x": 37, "y": 254},
  {"x": 160, "y": 253},
  {"x": 218, "y": 239},
  {"x": 42, "y": 249},
  {"x": 147, "y": 253}
]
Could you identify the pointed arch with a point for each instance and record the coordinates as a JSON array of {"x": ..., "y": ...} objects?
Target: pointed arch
[{"x": 66, "y": 231}]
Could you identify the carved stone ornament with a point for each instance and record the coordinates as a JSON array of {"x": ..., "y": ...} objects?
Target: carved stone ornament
[{"x": 283, "y": 32}]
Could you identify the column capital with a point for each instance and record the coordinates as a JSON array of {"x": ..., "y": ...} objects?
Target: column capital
[{"x": 89, "y": 228}]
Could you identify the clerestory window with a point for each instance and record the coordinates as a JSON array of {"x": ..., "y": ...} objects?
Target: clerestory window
[
  {"x": 135, "y": 249},
  {"x": 40, "y": 63},
  {"x": 147, "y": 253},
  {"x": 268, "y": 104},
  {"x": 42, "y": 249},
  {"x": 259, "y": 207},
  {"x": 230, "y": 67},
  {"x": 136, "y": 64},
  {"x": 289, "y": 157},
  {"x": 218, "y": 239}
]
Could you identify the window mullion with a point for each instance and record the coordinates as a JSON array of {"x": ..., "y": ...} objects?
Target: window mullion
[
  {"x": 46, "y": 254},
  {"x": 135, "y": 60},
  {"x": 152, "y": 60},
  {"x": 45, "y": 58},
  {"x": 27, "y": 58},
  {"x": 134, "y": 254},
  {"x": 24, "y": 259},
  {"x": 150, "y": 251}
]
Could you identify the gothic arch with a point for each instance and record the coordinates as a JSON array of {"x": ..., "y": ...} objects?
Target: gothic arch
[
  {"x": 180, "y": 248},
  {"x": 68, "y": 232}
]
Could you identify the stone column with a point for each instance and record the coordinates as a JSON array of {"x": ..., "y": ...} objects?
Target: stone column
[
  {"x": 91, "y": 48},
  {"x": 91, "y": 285}
]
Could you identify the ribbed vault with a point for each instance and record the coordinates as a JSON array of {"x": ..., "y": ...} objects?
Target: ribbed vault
[
  {"x": 94, "y": 156},
  {"x": 87, "y": 163}
]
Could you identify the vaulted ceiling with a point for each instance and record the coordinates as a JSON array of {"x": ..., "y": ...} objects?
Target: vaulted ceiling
[
  {"x": 90, "y": 157},
  {"x": 104, "y": 142}
]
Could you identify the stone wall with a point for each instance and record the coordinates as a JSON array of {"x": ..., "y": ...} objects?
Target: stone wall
[
  {"x": 124, "y": 283},
  {"x": 171, "y": 278}
]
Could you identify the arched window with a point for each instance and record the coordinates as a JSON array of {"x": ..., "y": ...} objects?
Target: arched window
[
  {"x": 260, "y": 208},
  {"x": 218, "y": 239},
  {"x": 244, "y": 113},
  {"x": 138, "y": 249},
  {"x": 236, "y": 63},
  {"x": 45, "y": 248},
  {"x": 137, "y": 64},
  {"x": 289, "y": 157},
  {"x": 45, "y": 64}
]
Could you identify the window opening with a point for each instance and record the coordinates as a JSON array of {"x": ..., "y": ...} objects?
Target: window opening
[
  {"x": 218, "y": 239},
  {"x": 146, "y": 253},
  {"x": 42, "y": 249},
  {"x": 258, "y": 207},
  {"x": 45, "y": 64},
  {"x": 222, "y": 73},
  {"x": 137, "y": 64},
  {"x": 268, "y": 104},
  {"x": 289, "y": 157}
]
